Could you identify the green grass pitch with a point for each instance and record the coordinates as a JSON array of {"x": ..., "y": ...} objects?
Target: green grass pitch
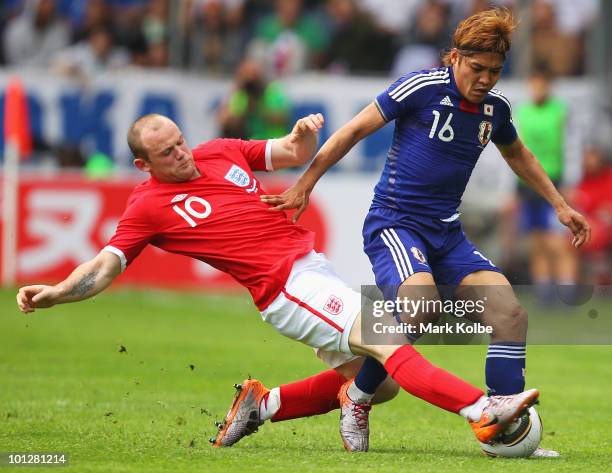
[{"x": 67, "y": 385}]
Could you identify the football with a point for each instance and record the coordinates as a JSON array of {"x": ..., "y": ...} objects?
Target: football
[{"x": 520, "y": 439}]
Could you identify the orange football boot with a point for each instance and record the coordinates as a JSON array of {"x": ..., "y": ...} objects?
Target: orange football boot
[
  {"x": 501, "y": 411},
  {"x": 242, "y": 419}
]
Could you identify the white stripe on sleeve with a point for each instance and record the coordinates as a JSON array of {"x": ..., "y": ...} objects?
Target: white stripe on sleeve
[
  {"x": 269, "y": 166},
  {"x": 413, "y": 82},
  {"x": 414, "y": 89},
  {"x": 411, "y": 79},
  {"x": 119, "y": 253}
]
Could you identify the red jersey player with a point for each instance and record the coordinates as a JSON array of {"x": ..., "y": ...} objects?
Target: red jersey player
[{"x": 205, "y": 203}]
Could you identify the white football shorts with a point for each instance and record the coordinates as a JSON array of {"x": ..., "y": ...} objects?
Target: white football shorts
[{"x": 317, "y": 308}]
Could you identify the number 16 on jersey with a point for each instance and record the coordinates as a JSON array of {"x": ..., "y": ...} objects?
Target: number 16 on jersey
[{"x": 446, "y": 133}]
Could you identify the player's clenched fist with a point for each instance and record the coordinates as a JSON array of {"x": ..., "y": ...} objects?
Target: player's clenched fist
[{"x": 30, "y": 298}]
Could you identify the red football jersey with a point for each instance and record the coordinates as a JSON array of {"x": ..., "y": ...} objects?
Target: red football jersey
[{"x": 217, "y": 218}]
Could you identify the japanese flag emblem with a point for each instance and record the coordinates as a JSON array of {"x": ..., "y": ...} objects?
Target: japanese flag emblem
[
  {"x": 418, "y": 254},
  {"x": 238, "y": 176},
  {"x": 484, "y": 132}
]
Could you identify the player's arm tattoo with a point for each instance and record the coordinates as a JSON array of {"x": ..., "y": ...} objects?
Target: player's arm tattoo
[{"x": 84, "y": 285}]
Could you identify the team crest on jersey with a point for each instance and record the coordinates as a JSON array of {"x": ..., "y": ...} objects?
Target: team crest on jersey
[
  {"x": 484, "y": 132},
  {"x": 333, "y": 305},
  {"x": 238, "y": 176},
  {"x": 418, "y": 254}
]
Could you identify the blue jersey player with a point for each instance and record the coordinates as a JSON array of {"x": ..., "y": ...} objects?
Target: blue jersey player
[{"x": 412, "y": 234}]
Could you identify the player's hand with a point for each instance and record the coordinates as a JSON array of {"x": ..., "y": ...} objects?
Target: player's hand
[
  {"x": 307, "y": 127},
  {"x": 296, "y": 197},
  {"x": 576, "y": 222},
  {"x": 30, "y": 298}
]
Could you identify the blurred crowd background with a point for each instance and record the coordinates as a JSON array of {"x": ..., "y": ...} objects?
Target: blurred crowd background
[
  {"x": 286, "y": 36},
  {"x": 258, "y": 47}
]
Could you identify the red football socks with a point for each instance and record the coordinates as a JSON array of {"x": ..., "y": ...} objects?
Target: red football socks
[
  {"x": 432, "y": 384},
  {"x": 318, "y": 394},
  {"x": 312, "y": 396}
]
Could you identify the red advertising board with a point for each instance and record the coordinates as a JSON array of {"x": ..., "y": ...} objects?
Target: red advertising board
[{"x": 65, "y": 219}]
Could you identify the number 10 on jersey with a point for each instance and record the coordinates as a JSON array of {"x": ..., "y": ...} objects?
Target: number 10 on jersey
[{"x": 188, "y": 212}]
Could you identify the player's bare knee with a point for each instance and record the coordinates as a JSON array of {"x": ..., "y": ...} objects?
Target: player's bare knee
[
  {"x": 351, "y": 368},
  {"x": 510, "y": 324},
  {"x": 380, "y": 353},
  {"x": 386, "y": 391},
  {"x": 431, "y": 317}
]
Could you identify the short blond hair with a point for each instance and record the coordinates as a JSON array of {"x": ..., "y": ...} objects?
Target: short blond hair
[
  {"x": 489, "y": 31},
  {"x": 152, "y": 120}
]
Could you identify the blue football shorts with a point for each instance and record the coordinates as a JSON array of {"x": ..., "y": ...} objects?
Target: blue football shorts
[{"x": 399, "y": 246}]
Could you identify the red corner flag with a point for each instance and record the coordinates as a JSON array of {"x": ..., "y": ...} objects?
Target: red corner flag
[{"x": 16, "y": 119}]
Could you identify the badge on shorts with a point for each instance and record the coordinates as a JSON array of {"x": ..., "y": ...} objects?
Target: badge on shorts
[
  {"x": 333, "y": 305},
  {"x": 238, "y": 176},
  {"x": 484, "y": 132},
  {"x": 418, "y": 254}
]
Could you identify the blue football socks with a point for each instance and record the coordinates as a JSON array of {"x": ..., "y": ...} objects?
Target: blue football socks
[{"x": 505, "y": 368}]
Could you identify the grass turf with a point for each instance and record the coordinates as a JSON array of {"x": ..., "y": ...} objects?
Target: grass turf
[{"x": 132, "y": 382}]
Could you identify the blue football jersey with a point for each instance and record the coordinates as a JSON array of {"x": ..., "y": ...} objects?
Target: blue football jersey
[{"x": 437, "y": 141}]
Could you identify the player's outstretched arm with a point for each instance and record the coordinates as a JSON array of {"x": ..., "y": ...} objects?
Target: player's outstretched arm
[
  {"x": 335, "y": 148},
  {"x": 85, "y": 281},
  {"x": 527, "y": 167}
]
